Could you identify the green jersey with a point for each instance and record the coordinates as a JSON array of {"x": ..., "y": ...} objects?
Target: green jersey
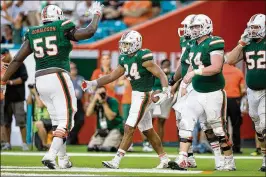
[
  {"x": 200, "y": 57},
  {"x": 140, "y": 78},
  {"x": 50, "y": 46},
  {"x": 185, "y": 63},
  {"x": 157, "y": 83},
  {"x": 255, "y": 57},
  {"x": 116, "y": 123}
]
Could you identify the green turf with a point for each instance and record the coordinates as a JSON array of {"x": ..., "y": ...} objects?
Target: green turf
[
  {"x": 137, "y": 149},
  {"x": 244, "y": 167}
]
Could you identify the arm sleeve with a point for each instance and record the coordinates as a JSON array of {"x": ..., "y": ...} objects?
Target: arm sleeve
[
  {"x": 146, "y": 55},
  {"x": 23, "y": 73},
  {"x": 69, "y": 30}
]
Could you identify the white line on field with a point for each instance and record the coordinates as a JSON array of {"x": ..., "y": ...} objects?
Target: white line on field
[
  {"x": 50, "y": 174},
  {"x": 103, "y": 170},
  {"x": 76, "y": 154}
]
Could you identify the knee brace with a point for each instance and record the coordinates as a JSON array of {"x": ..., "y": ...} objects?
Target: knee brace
[
  {"x": 185, "y": 136},
  {"x": 60, "y": 133},
  {"x": 261, "y": 136},
  {"x": 211, "y": 137},
  {"x": 225, "y": 140}
]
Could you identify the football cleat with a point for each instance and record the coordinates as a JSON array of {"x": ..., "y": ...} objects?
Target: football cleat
[
  {"x": 147, "y": 147},
  {"x": 229, "y": 165},
  {"x": 163, "y": 164},
  {"x": 64, "y": 162},
  {"x": 174, "y": 166},
  {"x": 263, "y": 169},
  {"x": 110, "y": 164},
  {"x": 49, "y": 161},
  {"x": 191, "y": 161}
]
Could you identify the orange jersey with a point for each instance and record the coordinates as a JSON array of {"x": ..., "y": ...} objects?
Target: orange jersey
[
  {"x": 110, "y": 88},
  {"x": 131, "y": 5},
  {"x": 233, "y": 79}
]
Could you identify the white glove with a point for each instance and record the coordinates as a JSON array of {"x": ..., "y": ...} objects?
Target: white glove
[
  {"x": 89, "y": 85},
  {"x": 164, "y": 95},
  {"x": 244, "y": 40},
  {"x": 96, "y": 8}
]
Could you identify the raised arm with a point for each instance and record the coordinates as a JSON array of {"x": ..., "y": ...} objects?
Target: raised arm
[
  {"x": 235, "y": 55},
  {"x": 85, "y": 33},
  {"x": 22, "y": 54}
]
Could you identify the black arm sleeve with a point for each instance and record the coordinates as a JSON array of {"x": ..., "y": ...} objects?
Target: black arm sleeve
[{"x": 69, "y": 34}]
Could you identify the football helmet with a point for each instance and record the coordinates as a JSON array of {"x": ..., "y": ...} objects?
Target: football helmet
[
  {"x": 186, "y": 22},
  {"x": 52, "y": 13},
  {"x": 130, "y": 42},
  {"x": 256, "y": 26},
  {"x": 200, "y": 25}
]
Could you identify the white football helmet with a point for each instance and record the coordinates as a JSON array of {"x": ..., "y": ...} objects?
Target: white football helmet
[
  {"x": 256, "y": 26},
  {"x": 200, "y": 25},
  {"x": 186, "y": 23},
  {"x": 130, "y": 42},
  {"x": 52, "y": 13}
]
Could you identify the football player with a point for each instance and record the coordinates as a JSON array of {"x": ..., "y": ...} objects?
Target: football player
[
  {"x": 50, "y": 44},
  {"x": 251, "y": 48},
  {"x": 206, "y": 55},
  {"x": 181, "y": 71},
  {"x": 138, "y": 66}
]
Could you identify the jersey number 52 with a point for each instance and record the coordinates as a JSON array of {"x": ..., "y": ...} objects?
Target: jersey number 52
[
  {"x": 51, "y": 49},
  {"x": 260, "y": 63}
]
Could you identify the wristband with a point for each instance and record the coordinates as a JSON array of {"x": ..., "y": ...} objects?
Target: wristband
[
  {"x": 94, "y": 83},
  {"x": 241, "y": 43},
  {"x": 165, "y": 89},
  {"x": 198, "y": 71}
]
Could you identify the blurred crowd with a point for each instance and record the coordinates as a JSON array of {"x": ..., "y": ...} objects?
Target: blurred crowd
[
  {"x": 18, "y": 16},
  {"x": 110, "y": 105}
]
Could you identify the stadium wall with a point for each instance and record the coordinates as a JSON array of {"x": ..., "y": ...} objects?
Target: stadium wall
[{"x": 160, "y": 35}]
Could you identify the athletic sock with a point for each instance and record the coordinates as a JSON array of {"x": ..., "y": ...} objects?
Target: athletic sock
[
  {"x": 62, "y": 150},
  {"x": 190, "y": 151},
  {"x": 163, "y": 156},
  {"x": 217, "y": 153},
  {"x": 57, "y": 143},
  {"x": 119, "y": 155}
]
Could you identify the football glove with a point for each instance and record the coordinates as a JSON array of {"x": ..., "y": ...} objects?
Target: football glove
[
  {"x": 164, "y": 95},
  {"x": 96, "y": 8},
  {"x": 89, "y": 85},
  {"x": 171, "y": 81},
  {"x": 244, "y": 40}
]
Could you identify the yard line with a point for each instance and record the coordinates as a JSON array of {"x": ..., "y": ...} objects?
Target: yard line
[
  {"x": 93, "y": 170},
  {"x": 76, "y": 154},
  {"x": 49, "y": 174}
]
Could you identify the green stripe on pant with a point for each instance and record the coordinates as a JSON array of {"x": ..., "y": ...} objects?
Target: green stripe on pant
[{"x": 69, "y": 101}]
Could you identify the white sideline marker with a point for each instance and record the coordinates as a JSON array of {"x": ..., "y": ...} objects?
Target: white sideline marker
[
  {"x": 43, "y": 174},
  {"x": 93, "y": 170},
  {"x": 77, "y": 154}
]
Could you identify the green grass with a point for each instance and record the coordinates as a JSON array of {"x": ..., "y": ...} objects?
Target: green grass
[{"x": 244, "y": 167}]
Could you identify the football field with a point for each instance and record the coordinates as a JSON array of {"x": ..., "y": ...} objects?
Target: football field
[{"x": 18, "y": 163}]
